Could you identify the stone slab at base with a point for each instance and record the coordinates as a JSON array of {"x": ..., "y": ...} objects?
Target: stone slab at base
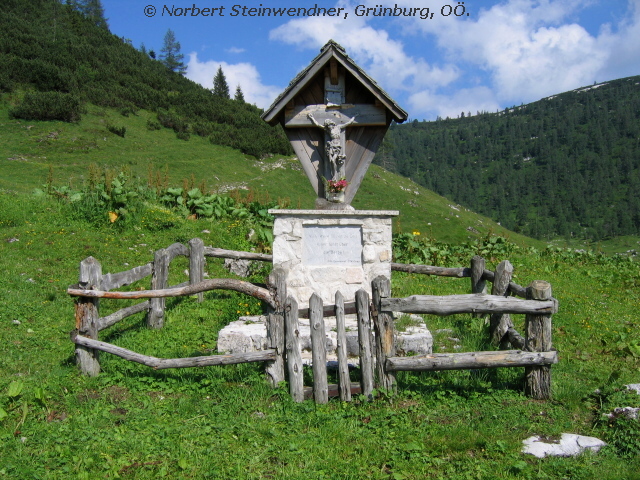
[
  {"x": 325, "y": 251},
  {"x": 249, "y": 334}
]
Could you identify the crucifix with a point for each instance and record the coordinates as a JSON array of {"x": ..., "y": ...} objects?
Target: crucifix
[
  {"x": 335, "y": 117},
  {"x": 334, "y": 145}
]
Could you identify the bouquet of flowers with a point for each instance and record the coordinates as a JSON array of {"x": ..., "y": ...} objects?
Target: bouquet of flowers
[{"x": 337, "y": 186}]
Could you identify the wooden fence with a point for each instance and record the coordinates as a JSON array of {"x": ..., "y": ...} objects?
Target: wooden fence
[
  {"x": 376, "y": 332},
  {"x": 93, "y": 285}
]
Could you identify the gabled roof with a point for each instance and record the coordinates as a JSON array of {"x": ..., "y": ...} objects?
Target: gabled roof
[{"x": 332, "y": 50}]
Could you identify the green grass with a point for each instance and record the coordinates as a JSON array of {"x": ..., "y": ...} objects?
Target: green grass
[
  {"x": 226, "y": 422},
  {"x": 33, "y": 153}
]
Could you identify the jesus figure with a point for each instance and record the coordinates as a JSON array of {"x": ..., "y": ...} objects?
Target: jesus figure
[{"x": 334, "y": 148}]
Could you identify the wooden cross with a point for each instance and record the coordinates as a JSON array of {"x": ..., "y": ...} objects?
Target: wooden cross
[
  {"x": 334, "y": 116},
  {"x": 335, "y": 96}
]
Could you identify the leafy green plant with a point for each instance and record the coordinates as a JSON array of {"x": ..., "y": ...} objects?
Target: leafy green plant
[
  {"x": 120, "y": 131},
  {"x": 115, "y": 199},
  {"x": 14, "y": 401}
]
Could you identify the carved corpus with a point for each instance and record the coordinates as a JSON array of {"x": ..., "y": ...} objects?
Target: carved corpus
[{"x": 335, "y": 117}]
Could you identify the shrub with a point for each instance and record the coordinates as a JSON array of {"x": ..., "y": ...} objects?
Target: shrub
[
  {"x": 153, "y": 125},
  {"x": 48, "y": 106},
  {"x": 120, "y": 131}
]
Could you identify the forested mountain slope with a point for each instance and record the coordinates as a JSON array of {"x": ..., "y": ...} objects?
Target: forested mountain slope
[
  {"x": 566, "y": 165},
  {"x": 57, "y": 60}
]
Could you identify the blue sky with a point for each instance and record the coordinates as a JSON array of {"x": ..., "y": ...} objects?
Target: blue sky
[{"x": 493, "y": 55}]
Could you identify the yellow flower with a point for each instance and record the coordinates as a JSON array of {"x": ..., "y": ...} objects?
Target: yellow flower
[{"x": 416, "y": 232}]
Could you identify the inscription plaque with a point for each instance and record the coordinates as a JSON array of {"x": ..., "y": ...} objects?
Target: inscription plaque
[{"x": 332, "y": 245}]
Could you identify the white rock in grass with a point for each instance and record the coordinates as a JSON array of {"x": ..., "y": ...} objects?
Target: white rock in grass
[
  {"x": 569, "y": 445},
  {"x": 634, "y": 386},
  {"x": 629, "y": 412}
]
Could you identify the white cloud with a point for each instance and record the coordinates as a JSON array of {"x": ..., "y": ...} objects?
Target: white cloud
[
  {"x": 623, "y": 46},
  {"x": 235, "y": 50},
  {"x": 244, "y": 74},
  {"x": 510, "y": 52},
  {"x": 530, "y": 50},
  {"x": 383, "y": 58},
  {"x": 474, "y": 100}
]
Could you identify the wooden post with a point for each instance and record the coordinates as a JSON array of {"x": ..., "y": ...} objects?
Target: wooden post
[
  {"x": 500, "y": 323},
  {"x": 196, "y": 263},
  {"x": 87, "y": 315},
  {"x": 478, "y": 284},
  {"x": 275, "y": 326},
  {"x": 384, "y": 333},
  {"x": 364, "y": 338},
  {"x": 538, "y": 339},
  {"x": 159, "y": 280},
  {"x": 294, "y": 357},
  {"x": 318, "y": 349},
  {"x": 343, "y": 365}
]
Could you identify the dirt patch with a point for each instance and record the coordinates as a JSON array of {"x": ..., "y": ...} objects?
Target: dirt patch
[{"x": 117, "y": 394}]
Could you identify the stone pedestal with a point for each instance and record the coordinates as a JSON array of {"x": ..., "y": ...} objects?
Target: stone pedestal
[{"x": 324, "y": 251}]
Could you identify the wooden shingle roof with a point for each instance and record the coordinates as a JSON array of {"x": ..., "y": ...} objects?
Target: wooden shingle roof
[{"x": 332, "y": 50}]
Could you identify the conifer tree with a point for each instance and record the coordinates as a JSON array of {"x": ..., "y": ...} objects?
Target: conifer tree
[
  {"x": 239, "y": 96},
  {"x": 220, "y": 86},
  {"x": 91, "y": 9},
  {"x": 94, "y": 10},
  {"x": 170, "y": 55}
]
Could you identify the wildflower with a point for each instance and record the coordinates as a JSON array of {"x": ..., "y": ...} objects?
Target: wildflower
[{"x": 416, "y": 232}]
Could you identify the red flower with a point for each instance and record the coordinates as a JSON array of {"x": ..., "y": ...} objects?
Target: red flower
[{"x": 337, "y": 185}]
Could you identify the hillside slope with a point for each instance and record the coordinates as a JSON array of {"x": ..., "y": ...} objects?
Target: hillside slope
[
  {"x": 55, "y": 61},
  {"x": 566, "y": 165},
  {"x": 33, "y": 153}
]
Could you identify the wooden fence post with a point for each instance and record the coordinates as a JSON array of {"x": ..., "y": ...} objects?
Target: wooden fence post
[
  {"x": 478, "y": 284},
  {"x": 499, "y": 323},
  {"x": 343, "y": 365},
  {"x": 159, "y": 280},
  {"x": 538, "y": 339},
  {"x": 275, "y": 326},
  {"x": 364, "y": 338},
  {"x": 318, "y": 349},
  {"x": 87, "y": 315},
  {"x": 196, "y": 263},
  {"x": 294, "y": 356},
  {"x": 384, "y": 333}
]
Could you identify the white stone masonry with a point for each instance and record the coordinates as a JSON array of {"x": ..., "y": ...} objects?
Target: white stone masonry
[{"x": 324, "y": 251}]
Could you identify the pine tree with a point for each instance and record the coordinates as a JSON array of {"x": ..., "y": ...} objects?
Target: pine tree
[
  {"x": 239, "y": 96},
  {"x": 220, "y": 86},
  {"x": 91, "y": 9},
  {"x": 94, "y": 10},
  {"x": 170, "y": 55}
]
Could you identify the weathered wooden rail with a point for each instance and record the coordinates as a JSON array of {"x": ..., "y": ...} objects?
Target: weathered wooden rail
[
  {"x": 93, "y": 285},
  {"x": 378, "y": 362},
  {"x": 376, "y": 330}
]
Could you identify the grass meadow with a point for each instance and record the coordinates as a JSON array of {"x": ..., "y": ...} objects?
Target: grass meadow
[{"x": 227, "y": 423}]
